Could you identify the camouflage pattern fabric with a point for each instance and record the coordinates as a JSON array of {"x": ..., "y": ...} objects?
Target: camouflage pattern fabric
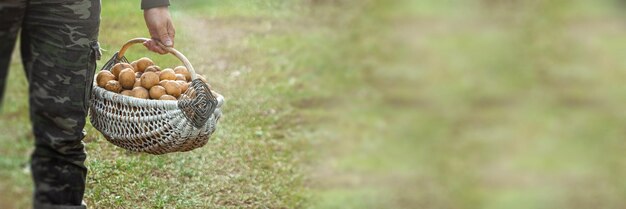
[{"x": 58, "y": 44}]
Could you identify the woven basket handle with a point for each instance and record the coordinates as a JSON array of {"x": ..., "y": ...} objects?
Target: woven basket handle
[{"x": 171, "y": 50}]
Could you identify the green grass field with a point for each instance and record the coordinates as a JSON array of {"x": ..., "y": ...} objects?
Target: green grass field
[{"x": 372, "y": 104}]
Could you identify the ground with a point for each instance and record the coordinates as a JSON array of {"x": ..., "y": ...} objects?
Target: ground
[{"x": 372, "y": 104}]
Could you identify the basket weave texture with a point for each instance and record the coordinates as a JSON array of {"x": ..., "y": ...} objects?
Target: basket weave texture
[{"x": 156, "y": 126}]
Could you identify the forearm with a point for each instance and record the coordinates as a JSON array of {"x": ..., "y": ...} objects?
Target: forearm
[
  {"x": 159, "y": 23},
  {"x": 148, "y": 4}
]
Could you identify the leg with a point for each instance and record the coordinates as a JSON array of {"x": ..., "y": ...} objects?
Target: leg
[
  {"x": 11, "y": 14},
  {"x": 59, "y": 51}
]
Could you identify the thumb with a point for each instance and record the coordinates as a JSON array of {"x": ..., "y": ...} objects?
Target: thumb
[{"x": 165, "y": 37}]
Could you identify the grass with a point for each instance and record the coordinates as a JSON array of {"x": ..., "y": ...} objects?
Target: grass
[{"x": 372, "y": 104}]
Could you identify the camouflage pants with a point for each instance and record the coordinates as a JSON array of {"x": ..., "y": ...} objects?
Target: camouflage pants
[{"x": 58, "y": 45}]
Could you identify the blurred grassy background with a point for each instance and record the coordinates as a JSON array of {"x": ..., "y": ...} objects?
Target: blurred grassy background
[{"x": 373, "y": 104}]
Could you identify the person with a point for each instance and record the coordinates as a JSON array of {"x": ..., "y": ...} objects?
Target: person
[{"x": 59, "y": 48}]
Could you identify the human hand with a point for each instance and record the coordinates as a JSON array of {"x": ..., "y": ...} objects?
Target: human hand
[{"x": 161, "y": 29}]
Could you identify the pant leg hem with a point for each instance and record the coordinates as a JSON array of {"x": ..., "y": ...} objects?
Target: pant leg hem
[{"x": 37, "y": 205}]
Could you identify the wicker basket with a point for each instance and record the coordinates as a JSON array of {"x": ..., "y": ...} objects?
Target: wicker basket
[{"x": 156, "y": 126}]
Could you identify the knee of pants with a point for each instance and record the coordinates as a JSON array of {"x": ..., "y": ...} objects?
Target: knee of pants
[{"x": 59, "y": 130}]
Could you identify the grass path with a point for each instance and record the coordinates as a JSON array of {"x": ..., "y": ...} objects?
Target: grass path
[
  {"x": 279, "y": 144},
  {"x": 251, "y": 161},
  {"x": 428, "y": 104}
]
